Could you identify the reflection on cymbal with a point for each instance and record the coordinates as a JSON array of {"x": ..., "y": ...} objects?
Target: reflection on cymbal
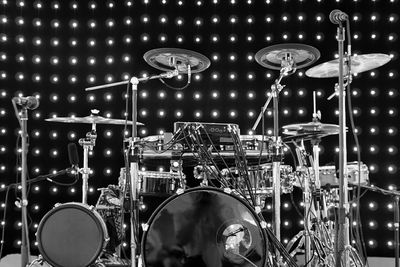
[
  {"x": 169, "y": 59},
  {"x": 92, "y": 119},
  {"x": 310, "y": 130},
  {"x": 359, "y": 63},
  {"x": 271, "y": 57}
]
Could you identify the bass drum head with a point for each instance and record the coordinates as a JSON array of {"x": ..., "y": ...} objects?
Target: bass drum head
[
  {"x": 71, "y": 235},
  {"x": 204, "y": 227}
]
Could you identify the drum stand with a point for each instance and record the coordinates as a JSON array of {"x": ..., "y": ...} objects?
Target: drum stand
[
  {"x": 287, "y": 68},
  {"x": 87, "y": 143}
]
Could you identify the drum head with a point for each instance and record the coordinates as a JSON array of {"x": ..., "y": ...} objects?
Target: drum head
[
  {"x": 71, "y": 235},
  {"x": 204, "y": 227}
]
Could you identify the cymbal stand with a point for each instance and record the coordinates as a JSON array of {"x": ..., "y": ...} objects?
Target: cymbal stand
[
  {"x": 134, "y": 153},
  {"x": 287, "y": 68},
  {"x": 342, "y": 235},
  {"x": 87, "y": 143}
]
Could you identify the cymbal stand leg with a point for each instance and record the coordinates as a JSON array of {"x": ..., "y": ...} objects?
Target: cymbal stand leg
[{"x": 87, "y": 143}]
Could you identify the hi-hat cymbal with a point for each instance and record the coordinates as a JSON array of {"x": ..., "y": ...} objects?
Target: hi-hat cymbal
[
  {"x": 167, "y": 59},
  {"x": 359, "y": 63},
  {"x": 92, "y": 119},
  {"x": 310, "y": 130},
  {"x": 271, "y": 57}
]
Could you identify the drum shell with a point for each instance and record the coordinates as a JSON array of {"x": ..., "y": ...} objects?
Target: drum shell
[
  {"x": 189, "y": 228},
  {"x": 261, "y": 178},
  {"x": 71, "y": 235},
  {"x": 159, "y": 183}
]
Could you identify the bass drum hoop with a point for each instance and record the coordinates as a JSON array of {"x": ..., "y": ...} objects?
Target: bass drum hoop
[
  {"x": 71, "y": 235},
  {"x": 259, "y": 221}
]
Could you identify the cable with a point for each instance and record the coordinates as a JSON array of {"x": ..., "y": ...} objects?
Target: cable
[{"x": 4, "y": 220}]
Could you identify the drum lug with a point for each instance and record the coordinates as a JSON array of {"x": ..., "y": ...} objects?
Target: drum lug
[
  {"x": 264, "y": 224},
  {"x": 56, "y": 205},
  {"x": 180, "y": 191},
  {"x": 145, "y": 227},
  {"x": 227, "y": 190},
  {"x": 257, "y": 209}
]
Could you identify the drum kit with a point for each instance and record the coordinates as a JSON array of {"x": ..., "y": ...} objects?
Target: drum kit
[{"x": 219, "y": 222}]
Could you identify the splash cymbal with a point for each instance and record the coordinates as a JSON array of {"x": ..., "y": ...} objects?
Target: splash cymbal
[
  {"x": 92, "y": 119},
  {"x": 359, "y": 63},
  {"x": 169, "y": 59},
  {"x": 271, "y": 57}
]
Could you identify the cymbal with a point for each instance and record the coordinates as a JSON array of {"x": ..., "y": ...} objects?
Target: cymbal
[
  {"x": 309, "y": 130},
  {"x": 271, "y": 57},
  {"x": 359, "y": 63},
  {"x": 167, "y": 59},
  {"x": 92, "y": 119}
]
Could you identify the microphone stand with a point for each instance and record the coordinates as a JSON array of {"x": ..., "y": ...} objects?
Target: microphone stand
[
  {"x": 342, "y": 236},
  {"x": 25, "y": 250}
]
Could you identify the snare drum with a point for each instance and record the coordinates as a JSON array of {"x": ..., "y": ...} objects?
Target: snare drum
[
  {"x": 204, "y": 226},
  {"x": 160, "y": 183},
  {"x": 71, "y": 235},
  {"x": 261, "y": 178}
]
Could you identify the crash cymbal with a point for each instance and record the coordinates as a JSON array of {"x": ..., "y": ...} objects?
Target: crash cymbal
[
  {"x": 167, "y": 59},
  {"x": 271, "y": 57},
  {"x": 309, "y": 130},
  {"x": 92, "y": 119},
  {"x": 359, "y": 63}
]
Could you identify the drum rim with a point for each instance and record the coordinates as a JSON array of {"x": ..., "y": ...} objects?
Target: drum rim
[
  {"x": 259, "y": 220},
  {"x": 83, "y": 207}
]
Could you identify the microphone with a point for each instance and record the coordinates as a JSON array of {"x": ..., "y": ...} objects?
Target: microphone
[
  {"x": 30, "y": 102},
  {"x": 337, "y": 16},
  {"x": 73, "y": 155}
]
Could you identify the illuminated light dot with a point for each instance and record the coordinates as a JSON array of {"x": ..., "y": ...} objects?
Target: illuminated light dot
[
  {"x": 161, "y": 113},
  {"x": 251, "y": 114},
  {"x": 372, "y": 243},
  {"x": 145, "y": 19},
  {"x": 178, "y": 114},
  {"x": 215, "y": 76},
  {"x": 179, "y": 96},
  {"x": 198, "y": 114},
  {"x": 392, "y": 169},
  {"x": 143, "y": 113},
  {"x": 390, "y": 207},
  {"x": 233, "y": 114},
  {"x": 391, "y": 131}
]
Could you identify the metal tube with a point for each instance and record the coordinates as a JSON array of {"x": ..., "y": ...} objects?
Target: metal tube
[{"x": 25, "y": 251}]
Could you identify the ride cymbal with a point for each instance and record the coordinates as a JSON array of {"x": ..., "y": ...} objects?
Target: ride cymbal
[{"x": 359, "y": 63}]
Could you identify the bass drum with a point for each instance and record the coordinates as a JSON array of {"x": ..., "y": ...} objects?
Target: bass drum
[
  {"x": 204, "y": 227},
  {"x": 71, "y": 235}
]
